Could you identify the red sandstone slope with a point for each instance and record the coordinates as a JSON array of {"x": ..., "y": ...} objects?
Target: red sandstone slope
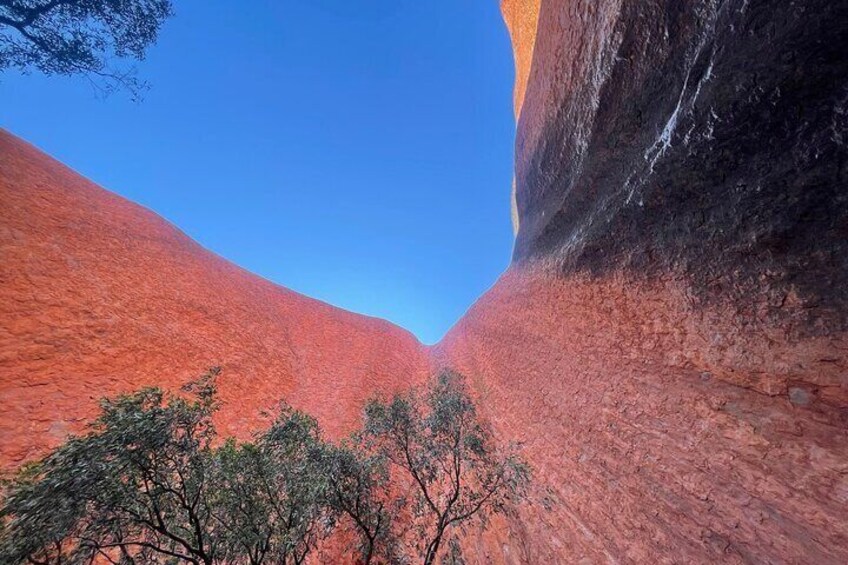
[
  {"x": 99, "y": 295},
  {"x": 658, "y": 431},
  {"x": 642, "y": 450}
]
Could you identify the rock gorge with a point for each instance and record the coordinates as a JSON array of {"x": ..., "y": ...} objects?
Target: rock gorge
[{"x": 669, "y": 342}]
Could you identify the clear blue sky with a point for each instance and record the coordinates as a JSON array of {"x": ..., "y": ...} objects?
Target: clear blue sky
[{"x": 359, "y": 152}]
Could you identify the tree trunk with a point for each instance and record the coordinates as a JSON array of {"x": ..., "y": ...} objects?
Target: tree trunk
[{"x": 432, "y": 550}]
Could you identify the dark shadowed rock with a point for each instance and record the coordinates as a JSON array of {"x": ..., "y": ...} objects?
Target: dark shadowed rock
[{"x": 704, "y": 138}]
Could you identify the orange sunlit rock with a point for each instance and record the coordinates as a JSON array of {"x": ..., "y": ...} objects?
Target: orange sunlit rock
[
  {"x": 521, "y": 17},
  {"x": 647, "y": 440},
  {"x": 100, "y": 296}
]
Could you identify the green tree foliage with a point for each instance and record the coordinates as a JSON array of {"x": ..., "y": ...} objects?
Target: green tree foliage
[
  {"x": 269, "y": 497},
  {"x": 132, "y": 490},
  {"x": 357, "y": 491},
  {"x": 458, "y": 474},
  {"x": 69, "y": 37},
  {"x": 145, "y": 485},
  {"x": 149, "y": 484}
]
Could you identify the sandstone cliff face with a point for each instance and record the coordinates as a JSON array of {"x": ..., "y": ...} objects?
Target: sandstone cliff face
[
  {"x": 670, "y": 340},
  {"x": 705, "y": 138},
  {"x": 99, "y": 296},
  {"x": 669, "y": 343},
  {"x": 644, "y": 450}
]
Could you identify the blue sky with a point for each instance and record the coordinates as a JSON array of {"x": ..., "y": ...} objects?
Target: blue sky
[{"x": 357, "y": 152}]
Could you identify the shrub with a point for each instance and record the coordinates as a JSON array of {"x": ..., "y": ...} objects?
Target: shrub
[
  {"x": 148, "y": 484},
  {"x": 458, "y": 472}
]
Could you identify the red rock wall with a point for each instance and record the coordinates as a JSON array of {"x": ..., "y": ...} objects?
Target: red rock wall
[
  {"x": 701, "y": 137},
  {"x": 658, "y": 433},
  {"x": 99, "y": 295},
  {"x": 670, "y": 342}
]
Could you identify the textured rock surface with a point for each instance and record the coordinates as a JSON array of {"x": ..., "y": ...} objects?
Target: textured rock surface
[
  {"x": 670, "y": 340},
  {"x": 669, "y": 343},
  {"x": 99, "y": 295},
  {"x": 644, "y": 449},
  {"x": 521, "y": 17},
  {"x": 702, "y": 137}
]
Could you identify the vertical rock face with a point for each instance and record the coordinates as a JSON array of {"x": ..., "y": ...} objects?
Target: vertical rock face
[
  {"x": 521, "y": 18},
  {"x": 670, "y": 339},
  {"x": 647, "y": 442},
  {"x": 705, "y": 138}
]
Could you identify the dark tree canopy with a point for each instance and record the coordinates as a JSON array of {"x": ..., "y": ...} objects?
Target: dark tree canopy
[
  {"x": 269, "y": 495},
  {"x": 146, "y": 485},
  {"x": 149, "y": 484},
  {"x": 80, "y": 37},
  {"x": 357, "y": 491},
  {"x": 457, "y": 470},
  {"x": 135, "y": 489}
]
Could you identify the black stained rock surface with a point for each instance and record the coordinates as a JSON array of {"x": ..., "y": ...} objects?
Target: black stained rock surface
[{"x": 701, "y": 137}]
